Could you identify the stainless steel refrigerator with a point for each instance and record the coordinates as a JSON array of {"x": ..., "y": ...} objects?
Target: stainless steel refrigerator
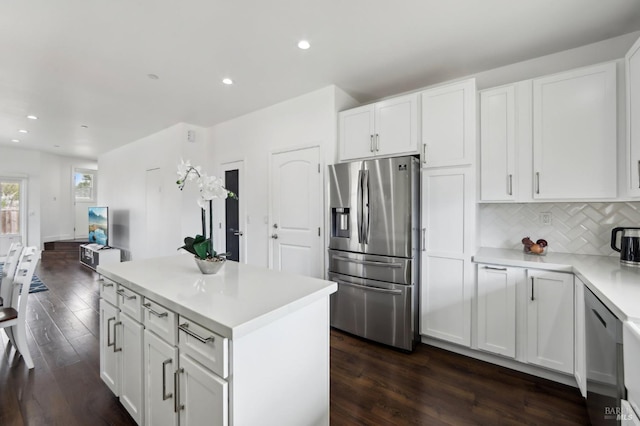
[{"x": 374, "y": 249}]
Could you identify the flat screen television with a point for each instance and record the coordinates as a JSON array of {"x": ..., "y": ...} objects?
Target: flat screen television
[{"x": 99, "y": 225}]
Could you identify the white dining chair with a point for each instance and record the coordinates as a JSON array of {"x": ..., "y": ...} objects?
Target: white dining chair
[
  {"x": 8, "y": 273},
  {"x": 13, "y": 317}
]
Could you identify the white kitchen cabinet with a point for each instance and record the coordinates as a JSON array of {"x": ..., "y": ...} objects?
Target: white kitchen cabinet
[
  {"x": 384, "y": 129},
  {"x": 447, "y": 274},
  {"x": 580, "y": 355},
  {"x": 550, "y": 320},
  {"x": 632, "y": 62},
  {"x": 449, "y": 124},
  {"x": 202, "y": 397},
  {"x": 121, "y": 345},
  {"x": 496, "y": 309},
  {"x": 160, "y": 364},
  {"x": 574, "y": 134}
]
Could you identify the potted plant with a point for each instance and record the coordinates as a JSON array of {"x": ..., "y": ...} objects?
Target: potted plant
[{"x": 210, "y": 187}]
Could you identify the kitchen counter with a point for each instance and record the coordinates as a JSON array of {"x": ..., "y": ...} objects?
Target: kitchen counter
[
  {"x": 234, "y": 302},
  {"x": 616, "y": 285}
]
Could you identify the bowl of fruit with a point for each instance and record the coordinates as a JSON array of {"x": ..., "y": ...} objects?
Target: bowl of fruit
[{"x": 539, "y": 247}]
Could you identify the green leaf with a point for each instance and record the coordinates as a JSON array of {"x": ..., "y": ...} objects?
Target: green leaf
[{"x": 201, "y": 248}]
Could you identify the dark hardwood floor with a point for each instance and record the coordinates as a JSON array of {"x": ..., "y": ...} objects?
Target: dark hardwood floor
[{"x": 370, "y": 384}]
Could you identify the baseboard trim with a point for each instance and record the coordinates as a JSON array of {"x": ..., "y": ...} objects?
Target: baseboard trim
[{"x": 512, "y": 364}]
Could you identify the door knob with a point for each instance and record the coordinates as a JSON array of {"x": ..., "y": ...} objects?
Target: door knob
[
  {"x": 274, "y": 236},
  {"x": 275, "y": 226}
]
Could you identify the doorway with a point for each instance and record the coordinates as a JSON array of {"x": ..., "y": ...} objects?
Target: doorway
[
  {"x": 13, "y": 218},
  {"x": 234, "y": 238}
]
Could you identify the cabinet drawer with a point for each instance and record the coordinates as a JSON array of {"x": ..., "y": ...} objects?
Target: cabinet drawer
[
  {"x": 130, "y": 303},
  {"x": 108, "y": 290},
  {"x": 161, "y": 321},
  {"x": 205, "y": 346}
]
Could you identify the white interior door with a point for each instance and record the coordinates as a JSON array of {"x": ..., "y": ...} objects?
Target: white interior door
[
  {"x": 153, "y": 218},
  {"x": 296, "y": 218}
]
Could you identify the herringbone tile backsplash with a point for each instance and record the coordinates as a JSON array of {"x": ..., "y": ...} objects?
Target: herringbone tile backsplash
[{"x": 583, "y": 228}]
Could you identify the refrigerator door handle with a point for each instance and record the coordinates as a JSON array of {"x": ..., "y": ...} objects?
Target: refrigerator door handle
[
  {"x": 359, "y": 206},
  {"x": 368, "y": 262},
  {"x": 371, "y": 288},
  {"x": 365, "y": 206}
]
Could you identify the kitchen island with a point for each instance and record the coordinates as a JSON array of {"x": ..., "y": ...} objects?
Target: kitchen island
[{"x": 243, "y": 347}]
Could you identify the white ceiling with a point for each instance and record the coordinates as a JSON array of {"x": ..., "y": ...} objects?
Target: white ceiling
[{"x": 85, "y": 62}]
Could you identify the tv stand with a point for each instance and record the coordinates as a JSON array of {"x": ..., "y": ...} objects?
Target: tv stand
[{"x": 92, "y": 255}]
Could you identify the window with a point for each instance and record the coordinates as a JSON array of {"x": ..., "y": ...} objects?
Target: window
[
  {"x": 84, "y": 184},
  {"x": 9, "y": 207}
]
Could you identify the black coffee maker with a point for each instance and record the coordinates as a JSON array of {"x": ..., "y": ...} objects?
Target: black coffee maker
[{"x": 629, "y": 245}]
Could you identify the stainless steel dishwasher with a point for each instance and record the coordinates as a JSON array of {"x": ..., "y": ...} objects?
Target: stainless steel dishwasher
[{"x": 605, "y": 375}]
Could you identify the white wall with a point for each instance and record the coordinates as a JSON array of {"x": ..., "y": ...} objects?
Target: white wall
[
  {"x": 122, "y": 175},
  {"x": 304, "y": 121},
  {"x": 49, "y": 201}
]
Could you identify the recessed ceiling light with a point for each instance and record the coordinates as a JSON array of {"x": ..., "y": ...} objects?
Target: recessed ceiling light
[
  {"x": 32, "y": 117},
  {"x": 15, "y": 140},
  {"x": 304, "y": 44},
  {"x": 84, "y": 126},
  {"x": 153, "y": 76},
  {"x": 56, "y": 146},
  {"x": 23, "y": 131},
  {"x": 227, "y": 81}
]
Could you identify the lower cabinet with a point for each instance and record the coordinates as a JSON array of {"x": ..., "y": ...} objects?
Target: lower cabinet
[
  {"x": 202, "y": 395},
  {"x": 160, "y": 364},
  {"x": 526, "y": 314},
  {"x": 121, "y": 357},
  {"x": 579, "y": 339}
]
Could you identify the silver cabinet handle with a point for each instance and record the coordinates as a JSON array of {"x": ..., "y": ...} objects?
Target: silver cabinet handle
[
  {"x": 368, "y": 262},
  {"x": 424, "y": 153},
  {"x": 424, "y": 239},
  {"x": 156, "y": 313},
  {"x": 603, "y": 322},
  {"x": 109, "y": 342},
  {"x": 185, "y": 327},
  {"x": 115, "y": 337},
  {"x": 165, "y": 396},
  {"x": 537, "y": 182},
  {"x": 370, "y": 288},
  {"x": 176, "y": 390},
  {"x": 493, "y": 268},
  {"x": 371, "y": 143},
  {"x": 532, "y": 284},
  {"x": 510, "y": 185},
  {"x": 106, "y": 284},
  {"x": 121, "y": 293},
  {"x": 377, "y": 142}
]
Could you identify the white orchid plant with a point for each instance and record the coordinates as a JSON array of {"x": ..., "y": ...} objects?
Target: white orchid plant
[{"x": 210, "y": 187}]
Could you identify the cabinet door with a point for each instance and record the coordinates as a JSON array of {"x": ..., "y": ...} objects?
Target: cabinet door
[
  {"x": 448, "y": 125},
  {"x": 129, "y": 340},
  {"x": 580, "y": 356},
  {"x": 574, "y": 134},
  {"x": 496, "y": 313},
  {"x": 396, "y": 126},
  {"x": 633, "y": 117},
  {"x": 160, "y": 363},
  {"x": 550, "y": 320},
  {"x": 203, "y": 395},
  {"x": 109, "y": 367},
  {"x": 448, "y": 211},
  {"x": 498, "y": 179},
  {"x": 357, "y": 133}
]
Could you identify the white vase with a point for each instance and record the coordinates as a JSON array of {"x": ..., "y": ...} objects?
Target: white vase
[{"x": 210, "y": 266}]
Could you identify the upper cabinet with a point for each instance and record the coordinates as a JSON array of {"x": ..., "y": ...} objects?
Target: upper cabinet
[
  {"x": 448, "y": 124},
  {"x": 551, "y": 138},
  {"x": 632, "y": 60},
  {"x": 574, "y": 134},
  {"x": 385, "y": 129}
]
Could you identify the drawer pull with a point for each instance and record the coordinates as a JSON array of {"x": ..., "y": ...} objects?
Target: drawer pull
[
  {"x": 185, "y": 327},
  {"x": 107, "y": 285},
  {"x": 493, "y": 268},
  {"x": 368, "y": 262},
  {"x": 151, "y": 311},
  {"x": 121, "y": 293},
  {"x": 165, "y": 396}
]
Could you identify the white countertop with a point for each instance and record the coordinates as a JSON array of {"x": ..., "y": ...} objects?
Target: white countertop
[
  {"x": 616, "y": 285},
  {"x": 237, "y": 300}
]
